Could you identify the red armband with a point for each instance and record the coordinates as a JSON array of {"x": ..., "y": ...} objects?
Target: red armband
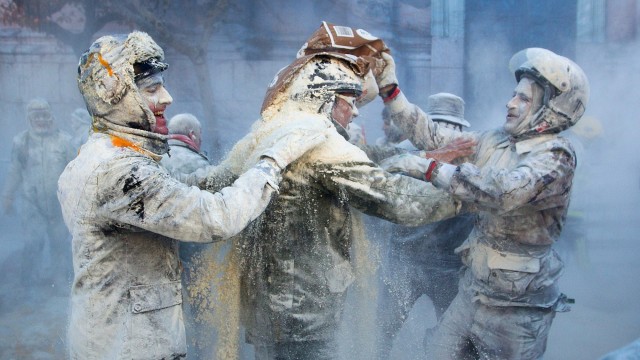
[
  {"x": 392, "y": 95},
  {"x": 432, "y": 166}
]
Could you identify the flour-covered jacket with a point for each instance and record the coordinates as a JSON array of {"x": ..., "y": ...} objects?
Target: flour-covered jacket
[
  {"x": 183, "y": 159},
  {"x": 298, "y": 265},
  {"x": 521, "y": 189},
  {"x": 124, "y": 212},
  {"x": 36, "y": 163}
]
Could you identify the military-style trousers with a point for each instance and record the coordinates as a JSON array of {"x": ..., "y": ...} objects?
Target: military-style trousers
[{"x": 471, "y": 330}]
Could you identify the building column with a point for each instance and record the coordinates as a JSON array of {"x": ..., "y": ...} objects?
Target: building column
[{"x": 447, "y": 48}]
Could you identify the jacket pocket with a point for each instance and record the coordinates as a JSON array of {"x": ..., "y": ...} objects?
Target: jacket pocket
[
  {"x": 154, "y": 297},
  {"x": 503, "y": 261},
  {"x": 156, "y": 327},
  {"x": 511, "y": 273}
]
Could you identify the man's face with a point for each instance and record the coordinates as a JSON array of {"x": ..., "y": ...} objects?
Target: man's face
[
  {"x": 158, "y": 98},
  {"x": 41, "y": 121},
  {"x": 344, "y": 109},
  {"x": 519, "y": 108},
  {"x": 449, "y": 125}
]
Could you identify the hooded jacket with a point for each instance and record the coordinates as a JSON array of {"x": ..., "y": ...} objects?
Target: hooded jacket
[
  {"x": 520, "y": 189},
  {"x": 125, "y": 214}
]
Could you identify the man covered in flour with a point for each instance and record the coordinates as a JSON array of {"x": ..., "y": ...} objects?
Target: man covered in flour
[
  {"x": 298, "y": 266},
  {"x": 125, "y": 212},
  {"x": 519, "y": 183}
]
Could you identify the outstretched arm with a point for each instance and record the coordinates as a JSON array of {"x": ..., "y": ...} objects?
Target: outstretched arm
[{"x": 424, "y": 133}]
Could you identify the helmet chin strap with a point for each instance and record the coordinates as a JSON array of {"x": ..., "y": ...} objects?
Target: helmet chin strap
[
  {"x": 538, "y": 123},
  {"x": 327, "y": 108},
  {"x": 549, "y": 117},
  {"x": 549, "y": 93}
]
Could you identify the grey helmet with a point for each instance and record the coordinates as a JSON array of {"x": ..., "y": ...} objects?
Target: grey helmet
[{"x": 566, "y": 88}]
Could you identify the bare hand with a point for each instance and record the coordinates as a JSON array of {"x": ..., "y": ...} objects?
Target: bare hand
[{"x": 456, "y": 149}]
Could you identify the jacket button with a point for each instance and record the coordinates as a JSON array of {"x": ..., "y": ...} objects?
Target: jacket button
[{"x": 137, "y": 307}]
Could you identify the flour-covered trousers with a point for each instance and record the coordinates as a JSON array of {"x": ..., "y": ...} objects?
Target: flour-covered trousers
[
  {"x": 297, "y": 350},
  {"x": 471, "y": 330}
]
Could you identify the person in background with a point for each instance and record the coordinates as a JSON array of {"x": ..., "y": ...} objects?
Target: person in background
[
  {"x": 421, "y": 260},
  {"x": 38, "y": 157},
  {"x": 185, "y": 157},
  {"x": 185, "y": 139},
  {"x": 125, "y": 211},
  {"x": 519, "y": 183}
]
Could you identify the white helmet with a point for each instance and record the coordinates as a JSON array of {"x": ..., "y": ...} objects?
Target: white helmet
[{"x": 566, "y": 88}]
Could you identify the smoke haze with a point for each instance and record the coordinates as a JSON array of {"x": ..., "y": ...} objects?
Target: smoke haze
[{"x": 599, "y": 243}]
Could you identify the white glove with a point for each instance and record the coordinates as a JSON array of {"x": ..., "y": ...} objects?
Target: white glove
[
  {"x": 270, "y": 171},
  {"x": 369, "y": 90},
  {"x": 407, "y": 164},
  {"x": 388, "y": 74},
  {"x": 442, "y": 174},
  {"x": 293, "y": 144}
]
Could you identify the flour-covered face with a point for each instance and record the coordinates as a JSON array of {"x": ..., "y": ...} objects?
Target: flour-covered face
[
  {"x": 157, "y": 98},
  {"x": 344, "y": 109},
  {"x": 526, "y": 100},
  {"x": 448, "y": 125},
  {"x": 41, "y": 121}
]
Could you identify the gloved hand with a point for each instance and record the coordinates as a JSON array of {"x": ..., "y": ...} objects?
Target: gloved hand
[
  {"x": 388, "y": 75},
  {"x": 407, "y": 164},
  {"x": 295, "y": 143},
  {"x": 369, "y": 90},
  {"x": 458, "y": 148},
  {"x": 441, "y": 174}
]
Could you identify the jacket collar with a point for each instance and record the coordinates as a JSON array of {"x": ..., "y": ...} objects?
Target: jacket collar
[
  {"x": 524, "y": 145},
  {"x": 151, "y": 144}
]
